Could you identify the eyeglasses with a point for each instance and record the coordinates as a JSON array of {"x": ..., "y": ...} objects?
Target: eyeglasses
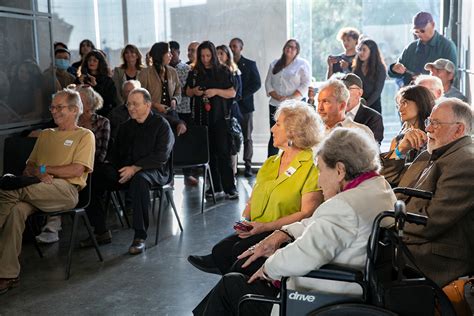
[
  {"x": 436, "y": 124},
  {"x": 57, "y": 108},
  {"x": 132, "y": 105},
  {"x": 291, "y": 47}
]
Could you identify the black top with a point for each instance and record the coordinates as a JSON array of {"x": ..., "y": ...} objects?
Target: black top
[
  {"x": 372, "y": 119},
  {"x": 106, "y": 88},
  {"x": 250, "y": 84},
  {"x": 373, "y": 86},
  {"x": 219, "y": 78}
]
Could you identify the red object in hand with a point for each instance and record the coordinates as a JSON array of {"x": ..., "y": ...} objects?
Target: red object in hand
[{"x": 207, "y": 107}]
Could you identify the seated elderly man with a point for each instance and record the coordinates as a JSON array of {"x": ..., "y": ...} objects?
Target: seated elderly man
[
  {"x": 445, "y": 70},
  {"x": 61, "y": 159},
  {"x": 358, "y": 111},
  {"x": 432, "y": 83},
  {"x": 138, "y": 160},
  {"x": 444, "y": 249},
  {"x": 332, "y": 103},
  {"x": 337, "y": 232}
]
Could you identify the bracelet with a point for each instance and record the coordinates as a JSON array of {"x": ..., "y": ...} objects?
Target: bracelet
[
  {"x": 399, "y": 154},
  {"x": 287, "y": 234},
  {"x": 265, "y": 275},
  {"x": 244, "y": 219},
  {"x": 42, "y": 169}
]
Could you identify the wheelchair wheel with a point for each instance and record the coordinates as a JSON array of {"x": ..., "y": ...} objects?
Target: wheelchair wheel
[{"x": 351, "y": 309}]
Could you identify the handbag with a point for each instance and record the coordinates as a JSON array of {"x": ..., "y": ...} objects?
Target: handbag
[
  {"x": 455, "y": 292},
  {"x": 234, "y": 131}
]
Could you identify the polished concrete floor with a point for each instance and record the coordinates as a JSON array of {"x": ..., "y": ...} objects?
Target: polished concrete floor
[{"x": 159, "y": 282}]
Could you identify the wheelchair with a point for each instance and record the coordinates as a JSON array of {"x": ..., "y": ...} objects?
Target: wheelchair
[{"x": 391, "y": 283}]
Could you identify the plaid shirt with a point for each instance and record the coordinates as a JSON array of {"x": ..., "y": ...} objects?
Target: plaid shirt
[{"x": 101, "y": 130}]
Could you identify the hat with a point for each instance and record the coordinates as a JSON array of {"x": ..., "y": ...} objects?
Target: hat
[
  {"x": 441, "y": 64},
  {"x": 62, "y": 50},
  {"x": 421, "y": 19},
  {"x": 352, "y": 79}
]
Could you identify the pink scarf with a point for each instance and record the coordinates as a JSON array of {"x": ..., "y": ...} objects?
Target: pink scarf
[{"x": 358, "y": 180}]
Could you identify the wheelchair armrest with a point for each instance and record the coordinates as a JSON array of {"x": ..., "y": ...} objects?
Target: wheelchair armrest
[
  {"x": 337, "y": 273},
  {"x": 257, "y": 298}
]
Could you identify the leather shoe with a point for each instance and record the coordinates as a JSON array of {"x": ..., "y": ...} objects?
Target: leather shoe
[
  {"x": 137, "y": 247},
  {"x": 7, "y": 284},
  {"x": 102, "y": 239},
  {"x": 205, "y": 264}
]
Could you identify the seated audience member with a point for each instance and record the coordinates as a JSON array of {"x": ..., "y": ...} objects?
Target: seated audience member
[
  {"x": 332, "y": 102},
  {"x": 443, "y": 249},
  {"x": 100, "y": 126},
  {"x": 61, "y": 65},
  {"x": 132, "y": 64},
  {"x": 85, "y": 47},
  {"x": 337, "y": 232},
  {"x": 414, "y": 104},
  {"x": 286, "y": 188},
  {"x": 357, "y": 111},
  {"x": 432, "y": 83},
  {"x": 70, "y": 69},
  {"x": 445, "y": 70},
  {"x": 61, "y": 159},
  {"x": 95, "y": 72},
  {"x": 138, "y": 160},
  {"x": 349, "y": 38}
]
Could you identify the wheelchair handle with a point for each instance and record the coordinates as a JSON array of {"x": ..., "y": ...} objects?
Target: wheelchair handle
[
  {"x": 416, "y": 219},
  {"x": 422, "y": 194}
]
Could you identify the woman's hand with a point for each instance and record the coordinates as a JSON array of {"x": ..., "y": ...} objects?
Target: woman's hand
[
  {"x": 331, "y": 60},
  {"x": 209, "y": 93},
  {"x": 160, "y": 107},
  {"x": 265, "y": 248},
  {"x": 197, "y": 91},
  {"x": 257, "y": 228},
  {"x": 413, "y": 139},
  {"x": 259, "y": 275}
]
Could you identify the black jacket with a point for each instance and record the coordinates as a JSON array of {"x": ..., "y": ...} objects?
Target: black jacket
[
  {"x": 372, "y": 119},
  {"x": 250, "y": 84}
]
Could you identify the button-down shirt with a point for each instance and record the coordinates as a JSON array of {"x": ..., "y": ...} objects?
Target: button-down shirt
[{"x": 183, "y": 70}]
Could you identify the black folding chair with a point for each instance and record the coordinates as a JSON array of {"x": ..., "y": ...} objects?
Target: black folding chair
[{"x": 191, "y": 150}]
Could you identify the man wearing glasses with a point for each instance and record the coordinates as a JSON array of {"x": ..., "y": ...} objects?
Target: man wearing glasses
[
  {"x": 61, "y": 160},
  {"x": 444, "y": 248},
  {"x": 428, "y": 47}
]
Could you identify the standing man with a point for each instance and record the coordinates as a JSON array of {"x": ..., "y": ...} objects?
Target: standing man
[
  {"x": 192, "y": 52},
  {"x": 61, "y": 159},
  {"x": 250, "y": 84},
  {"x": 429, "y": 46},
  {"x": 445, "y": 70}
]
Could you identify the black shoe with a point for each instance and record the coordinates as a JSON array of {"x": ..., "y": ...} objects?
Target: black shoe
[
  {"x": 138, "y": 246},
  {"x": 233, "y": 195},
  {"x": 102, "y": 239},
  {"x": 248, "y": 172},
  {"x": 216, "y": 194},
  {"x": 204, "y": 263}
]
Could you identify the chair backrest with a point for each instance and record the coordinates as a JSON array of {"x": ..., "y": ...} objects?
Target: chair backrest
[
  {"x": 16, "y": 151},
  {"x": 85, "y": 194},
  {"x": 191, "y": 148}
]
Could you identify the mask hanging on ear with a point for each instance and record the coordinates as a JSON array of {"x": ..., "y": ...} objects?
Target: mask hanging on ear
[{"x": 290, "y": 143}]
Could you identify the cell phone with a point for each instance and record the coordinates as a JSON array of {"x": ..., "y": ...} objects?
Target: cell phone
[
  {"x": 337, "y": 58},
  {"x": 242, "y": 227}
]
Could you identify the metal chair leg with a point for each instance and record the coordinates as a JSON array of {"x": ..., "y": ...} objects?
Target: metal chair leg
[
  {"x": 122, "y": 206},
  {"x": 35, "y": 242},
  {"x": 158, "y": 221},
  {"x": 208, "y": 170},
  {"x": 71, "y": 243},
  {"x": 169, "y": 196},
  {"x": 111, "y": 198},
  {"x": 91, "y": 234}
]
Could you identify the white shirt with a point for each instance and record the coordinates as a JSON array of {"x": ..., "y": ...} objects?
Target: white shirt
[
  {"x": 295, "y": 76},
  {"x": 352, "y": 113}
]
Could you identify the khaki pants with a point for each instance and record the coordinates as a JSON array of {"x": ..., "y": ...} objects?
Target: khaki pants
[{"x": 16, "y": 205}]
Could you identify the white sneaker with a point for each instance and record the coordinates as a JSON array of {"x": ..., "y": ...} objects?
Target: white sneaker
[{"x": 47, "y": 237}]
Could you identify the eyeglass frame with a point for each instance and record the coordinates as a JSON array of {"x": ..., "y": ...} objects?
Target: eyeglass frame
[
  {"x": 57, "y": 108},
  {"x": 436, "y": 124}
]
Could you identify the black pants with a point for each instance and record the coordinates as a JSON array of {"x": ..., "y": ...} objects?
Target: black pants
[
  {"x": 225, "y": 253},
  {"x": 224, "y": 298},
  {"x": 247, "y": 128},
  {"x": 220, "y": 158},
  {"x": 106, "y": 178},
  {"x": 272, "y": 150}
]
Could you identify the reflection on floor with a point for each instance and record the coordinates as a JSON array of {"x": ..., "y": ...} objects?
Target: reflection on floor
[{"x": 159, "y": 282}]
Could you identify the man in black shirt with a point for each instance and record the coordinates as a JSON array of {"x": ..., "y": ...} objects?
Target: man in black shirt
[{"x": 139, "y": 160}]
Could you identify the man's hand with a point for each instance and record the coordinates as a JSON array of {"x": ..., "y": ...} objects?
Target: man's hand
[
  {"x": 46, "y": 178},
  {"x": 265, "y": 248},
  {"x": 413, "y": 139},
  {"x": 331, "y": 60},
  {"x": 160, "y": 107},
  {"x": 344, "y": 64},
  {"x": 127, "y": 172},
  {"x": 399, "y": 68},
  {"x": 181, "y": 129}
]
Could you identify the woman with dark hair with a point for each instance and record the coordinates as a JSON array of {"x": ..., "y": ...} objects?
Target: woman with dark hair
[
  {"x": 210, "y": 84},
  {"x": 288, "y": 78},
  {"x": 131, "y": 66},
  {"x": 370, "y": 67},
  {"x": 161, "y": 80},
  {"x": 414, "y": 104},
  {"x": 95, "y": 73},
  {"x": 85, "y": 47}
]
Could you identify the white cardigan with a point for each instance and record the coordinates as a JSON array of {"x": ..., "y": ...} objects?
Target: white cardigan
[{"x": 337, "y": 233}]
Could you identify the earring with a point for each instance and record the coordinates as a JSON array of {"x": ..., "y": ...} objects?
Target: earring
[{"x": 290, "y": 143}]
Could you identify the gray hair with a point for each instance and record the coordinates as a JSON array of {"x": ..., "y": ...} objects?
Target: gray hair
[
  {"x": 353, "y": 148},
  {"x": 340, "y": 90},
  {"x": 144, "y": 92},
  {"x": 93, "y": 97},
  {"x": 134, "y": 83},
  {"x": 462, "y": 112},
  {"x": 303, "y": 126},
  {"x": 73, "y": 99},
  {"x": 434, "y": 81}
]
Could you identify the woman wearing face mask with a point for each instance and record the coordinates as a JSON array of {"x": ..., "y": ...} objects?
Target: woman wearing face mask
[
  {"x": 288, "y": 78},
  {"x": 370, "y": 67}
]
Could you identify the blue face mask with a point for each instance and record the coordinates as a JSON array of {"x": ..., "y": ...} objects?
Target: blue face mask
[{"x": 62, "y": 64}]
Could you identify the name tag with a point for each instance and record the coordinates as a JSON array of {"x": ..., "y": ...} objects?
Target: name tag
[
  {"x": 68, "y": 142},
  {"x": 290, "y": 171}
]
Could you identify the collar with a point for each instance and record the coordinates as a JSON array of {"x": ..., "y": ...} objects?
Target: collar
[
  {"x": 147, "y": 120},
  {"x": 432, "y": 42},
  {"x": 303, "y": 155},
  {"x": 355, "y": 110},
  {"x": 442, "y": 150}
]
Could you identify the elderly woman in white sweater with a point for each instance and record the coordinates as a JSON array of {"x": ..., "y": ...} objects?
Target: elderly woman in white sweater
[{"x": 337, "y": 232}]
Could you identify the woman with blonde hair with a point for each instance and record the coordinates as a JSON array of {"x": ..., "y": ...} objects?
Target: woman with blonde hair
[
  {"x": 286, "y": 188},
  {"x": 132, "y": 64}
]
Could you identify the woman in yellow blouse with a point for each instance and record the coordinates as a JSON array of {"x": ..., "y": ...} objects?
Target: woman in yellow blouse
[{"x": 286, "y": 189}]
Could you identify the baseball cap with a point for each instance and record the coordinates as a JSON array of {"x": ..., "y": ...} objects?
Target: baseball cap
[
  {"x": 421, "y": 19},
  {"x": 352, "y": 79},
  {"x": 441, "y": 64}
]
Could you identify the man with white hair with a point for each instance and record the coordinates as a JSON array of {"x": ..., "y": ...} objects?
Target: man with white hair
[
  {"x": 445, "y": 70},
  {"x": 432, "y": 83},
  {"x": 443, "y": 249},
  {"x": 332, "y": 103},
  {"x": 61, "y": 160}
]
